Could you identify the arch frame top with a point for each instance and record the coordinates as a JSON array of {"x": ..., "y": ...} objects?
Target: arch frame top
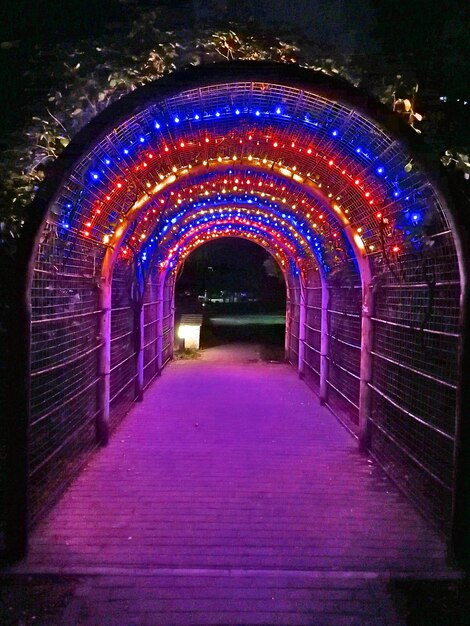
[{"x": 314, "y": 81}]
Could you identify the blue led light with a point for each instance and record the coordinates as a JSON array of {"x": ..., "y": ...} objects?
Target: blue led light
[
  {"x": 177, "y": 119},
  {"x": 107, "y": 161},
  {"x": 141, "y": 139},
  {"x": 126, "y": 151},
  {"x": 278, "y": 110},
  {"x": 94, "y": 175},
  {"x": 196, "y": 117},
  {"x": 380, "y": 170},
  {"x": 157, "y": 125},
  {"x": 217, "y": 114},
  {"x": 257, "y": 113},
  {"x": 237, "y": 111},
  {"x": 68, "y": 205},
  {"x": 65, "y": 225},
  {"x": 335, "y": 133},
  {"x": 416, "y": 217}
]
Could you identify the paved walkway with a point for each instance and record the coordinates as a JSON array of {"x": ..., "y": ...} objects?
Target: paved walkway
[{"x": 231, "y": 497}]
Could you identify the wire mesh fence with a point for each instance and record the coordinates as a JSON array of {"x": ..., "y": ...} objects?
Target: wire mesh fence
[
  {"x": 151, "y": 328},
  {"x": 123, "y": 383},
  {"x": 313, "y": 327},
  {"x": 415, "y": 376},
  {"x": 168, "y": 319},
  {"x": 293, "y": 315},
  {"x": 344, "y": 343},
  {"x": 65, "y": 380}
]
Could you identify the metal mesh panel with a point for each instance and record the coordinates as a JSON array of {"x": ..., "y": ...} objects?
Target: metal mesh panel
[
  {"x": 150, "y": 329},
  {"x": 168, "y": 320},
  {"x": 414, "y": 385},
  {"x": 294, "y": 318},
  {"x": 64, "y": 363},
  {"x": 344, "y": 333},
  {"x": 313, "y": 295},
  {"x": 123, "y": 356}
]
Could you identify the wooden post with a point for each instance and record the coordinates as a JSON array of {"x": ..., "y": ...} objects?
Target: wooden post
[
  {"x": 324, "y": 342},
  {"x": 171, "y": 286},
  {"x": 102, "y": 423},
  {"x": 140, "y": 354},
  {"x": 365, "y": 393},
  {"x": 302, "y": 320},
  {"x": 160, "y": 313},
  {"x": 288, "y": 322}
]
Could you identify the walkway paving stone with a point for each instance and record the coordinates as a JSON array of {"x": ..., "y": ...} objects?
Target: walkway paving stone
[{"x": 229, "y": 496}]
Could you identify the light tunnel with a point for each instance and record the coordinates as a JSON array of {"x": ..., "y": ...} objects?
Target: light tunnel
[{"x": 299, "y": 163}]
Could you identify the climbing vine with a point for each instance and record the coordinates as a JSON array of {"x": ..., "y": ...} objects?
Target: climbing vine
[{"x": 76, "y": 82}]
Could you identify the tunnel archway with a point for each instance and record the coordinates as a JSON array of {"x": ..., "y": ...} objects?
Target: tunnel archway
[
  {"x": 236, "y": 290},
  {"x": 302, "y": 164}
]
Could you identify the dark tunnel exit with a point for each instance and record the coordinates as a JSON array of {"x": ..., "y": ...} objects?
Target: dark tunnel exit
[{"x": 239, "y": 291}]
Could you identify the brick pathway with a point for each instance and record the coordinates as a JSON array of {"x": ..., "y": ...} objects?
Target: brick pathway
[{"x": 231, "y": 497}]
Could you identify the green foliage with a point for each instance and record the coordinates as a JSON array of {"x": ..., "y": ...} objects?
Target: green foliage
[{"x": 74, "y": 83}]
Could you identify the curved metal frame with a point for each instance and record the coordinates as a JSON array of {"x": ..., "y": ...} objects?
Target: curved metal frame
[{"x": 98, "y": 128}]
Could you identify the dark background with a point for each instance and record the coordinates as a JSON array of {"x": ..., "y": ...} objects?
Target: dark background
[{"x": 435, "y": 33}]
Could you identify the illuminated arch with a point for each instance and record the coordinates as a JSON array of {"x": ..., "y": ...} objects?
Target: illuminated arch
[{"x": 359, "y": 206}]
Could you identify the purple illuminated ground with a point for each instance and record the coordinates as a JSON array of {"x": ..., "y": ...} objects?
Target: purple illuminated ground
[{"x": 231, "y": 497}]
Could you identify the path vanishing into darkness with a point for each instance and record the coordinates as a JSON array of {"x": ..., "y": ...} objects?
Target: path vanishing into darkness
[{"x": 229, "y": 496}]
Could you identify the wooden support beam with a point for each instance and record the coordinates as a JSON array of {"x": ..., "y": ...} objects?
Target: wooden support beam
[
  {"x": 288, "y": 322},
  {"x": 160, "y": 313},
  {"x": 324, "y": 343},
  {"x": 302, "y": 321},
  {"x": 171, "y": 286},
  {"x": 140, "y": 354},
  {"x": 102, "y": 423},
  {"x": 365, "y": 392}
]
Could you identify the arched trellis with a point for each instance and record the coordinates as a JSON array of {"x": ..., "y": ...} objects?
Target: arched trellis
[{"x": 367, "y": 213}]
